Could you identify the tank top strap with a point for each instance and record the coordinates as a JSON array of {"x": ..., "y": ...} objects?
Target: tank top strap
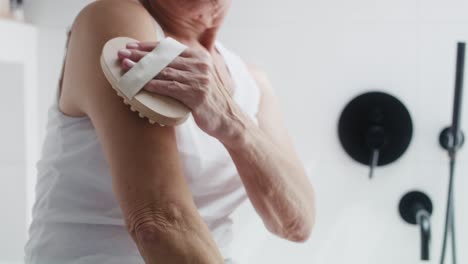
[
  {"x": 158, "y": 29},
  {"x": 62, "y": 71}
]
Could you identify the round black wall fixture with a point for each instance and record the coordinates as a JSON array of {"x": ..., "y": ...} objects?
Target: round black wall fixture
[
  {"x": 411, "y": 203},
  {"x": 375, "y": 122},
  {"x": 416, "y": 209}
]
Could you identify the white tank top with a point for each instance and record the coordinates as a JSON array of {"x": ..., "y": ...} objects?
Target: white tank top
[{"x": 76, "y": 217}]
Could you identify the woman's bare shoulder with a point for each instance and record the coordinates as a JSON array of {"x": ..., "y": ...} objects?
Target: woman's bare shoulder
[
  {"x": 94, "y": 26},
  {"x": 112, "y": 18}
]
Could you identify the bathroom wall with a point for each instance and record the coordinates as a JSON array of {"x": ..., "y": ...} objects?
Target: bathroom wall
[
  {"x": 17, "y": 74},
  {"x": 12, "y": 164},
  {"x": 319, "y": 55}
]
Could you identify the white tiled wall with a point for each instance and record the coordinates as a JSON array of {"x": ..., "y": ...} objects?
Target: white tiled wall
[{"x": 319, "y": 54}]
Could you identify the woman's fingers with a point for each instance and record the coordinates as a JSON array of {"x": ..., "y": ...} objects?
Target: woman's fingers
[
  {"x": 172, "y": 89},
  {"x": 130, "y": 57},
  {"x": 172, "y": 74},
  {"x": 132, "y": 54},
  {"x": 181, "y": 63},
  {"x": 143, "y": 46},
  {"x": 135, "y": 55},
  {"x": 127, "y": 64},
  {"x": 188, "y": 53}
]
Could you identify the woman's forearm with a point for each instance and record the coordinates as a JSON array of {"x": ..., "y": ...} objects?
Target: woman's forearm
[{"x": 275, "y": 182}]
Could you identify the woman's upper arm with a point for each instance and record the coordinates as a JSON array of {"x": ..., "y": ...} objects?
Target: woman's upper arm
[{"x": 143, "y": 158}]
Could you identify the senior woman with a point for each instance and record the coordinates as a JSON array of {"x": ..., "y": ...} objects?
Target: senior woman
[{"x": 114, "y": 189}]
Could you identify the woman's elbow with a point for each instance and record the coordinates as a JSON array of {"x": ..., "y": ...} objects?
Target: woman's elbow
[
  {"x": 301, "y": 233},
  {"x": 296, "y": 229},
  {"x": 148, "y": 224},
  {"x": 299, "y": 229}
]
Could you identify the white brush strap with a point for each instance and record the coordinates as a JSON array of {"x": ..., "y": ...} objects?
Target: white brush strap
[{"x": 149, "y": 66}]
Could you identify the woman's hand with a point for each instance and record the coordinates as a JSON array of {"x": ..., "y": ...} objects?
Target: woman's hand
[{"x": 193, "y": 80}]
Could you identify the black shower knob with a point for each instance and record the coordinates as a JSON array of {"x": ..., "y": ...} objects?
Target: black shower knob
[{"x": 375, "y": 121}]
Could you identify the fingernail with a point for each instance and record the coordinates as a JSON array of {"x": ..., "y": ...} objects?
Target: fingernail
[
  {"x": 128, "y": 63},
  {"x": 125, "y": 52},
  {"x": 133, "y": 46}
]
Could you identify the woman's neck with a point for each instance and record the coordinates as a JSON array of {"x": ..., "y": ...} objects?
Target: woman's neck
[{"x": 194, "y": 27}]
